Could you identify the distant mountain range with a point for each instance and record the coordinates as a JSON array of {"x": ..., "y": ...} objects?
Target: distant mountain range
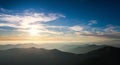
[
  {"x": 78, "y": 49},
  {"x": 81, "y": 49},
  {"x": 34, "y": 56}
]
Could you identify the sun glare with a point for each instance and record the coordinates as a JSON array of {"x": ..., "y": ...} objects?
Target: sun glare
[{"x": 33, "y": 30}]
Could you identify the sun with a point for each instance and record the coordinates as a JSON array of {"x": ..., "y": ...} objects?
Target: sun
[{"x": 33, "y": 30}]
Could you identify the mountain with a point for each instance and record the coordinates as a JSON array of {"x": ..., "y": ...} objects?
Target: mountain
[
  {"x": 82, "y": 49},
  {"x": 104, "y": 56},
  {"x": 34, "y": 56},
  {"x": 77, "y": 49}
]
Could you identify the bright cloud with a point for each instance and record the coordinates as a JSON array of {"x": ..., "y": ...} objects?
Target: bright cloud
[
  {"x": 29, "y": 21},
  {"x": 76, "y": 28},
  {"x": 30, "y": 17}
]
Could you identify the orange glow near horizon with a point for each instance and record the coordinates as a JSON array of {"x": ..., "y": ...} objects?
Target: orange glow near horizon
[{"x": 52, "y": 38}]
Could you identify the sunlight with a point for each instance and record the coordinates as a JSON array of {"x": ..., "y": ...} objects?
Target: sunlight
[{"x": 33, "y": 30}]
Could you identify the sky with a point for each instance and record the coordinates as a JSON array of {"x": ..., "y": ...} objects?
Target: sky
[{"x": 60, "y": 20}]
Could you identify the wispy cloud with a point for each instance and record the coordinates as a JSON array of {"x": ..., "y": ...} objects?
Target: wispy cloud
[
  {"x": 27, "y": 20},
  {"x": 76, "y": 28},
  {"x": 5, "y": 10},
  {"x": 91, "y": 22},
  {"x": 108, "y": 31}
]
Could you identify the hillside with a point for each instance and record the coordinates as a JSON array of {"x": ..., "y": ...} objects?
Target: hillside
[{"x": 35, "y": 56}]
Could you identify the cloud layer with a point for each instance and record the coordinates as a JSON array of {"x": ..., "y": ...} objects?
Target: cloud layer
[
  {"x": 27, "y": 20},
  {"x": 35, "y": 23}
]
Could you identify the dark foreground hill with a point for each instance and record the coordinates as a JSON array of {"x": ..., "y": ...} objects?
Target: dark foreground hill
[
  {"x": 33, "y": 56},
  {"x": 104, "y": 56}
]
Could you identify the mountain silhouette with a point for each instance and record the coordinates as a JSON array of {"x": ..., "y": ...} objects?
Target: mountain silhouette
[
  {"x": 77, "y": 49},
  {"x": 35, "y": 56},
  {"x": 104, "y": 56},
  {"x": 84, "y": 49}
]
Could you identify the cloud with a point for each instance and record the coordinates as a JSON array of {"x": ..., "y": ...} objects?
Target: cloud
[
  {"x": 92, "y": 22},
  {"x": 109, "y": 31},
  {"x": 25, "y": 21},
  {"x": 4, "y": 10},
  {"x": 30, "y": 17},
  {"x": 76, "y": 28}
]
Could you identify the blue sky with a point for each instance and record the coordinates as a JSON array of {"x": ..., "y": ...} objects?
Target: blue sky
[
  {"x": 104, "y": 11},
  {"x": 73, "y": 19}
]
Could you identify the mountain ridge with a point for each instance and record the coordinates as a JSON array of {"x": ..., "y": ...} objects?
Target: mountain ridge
[
  {"x": 77, "y": 49},
  {"x": 39, "y": 56}
]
